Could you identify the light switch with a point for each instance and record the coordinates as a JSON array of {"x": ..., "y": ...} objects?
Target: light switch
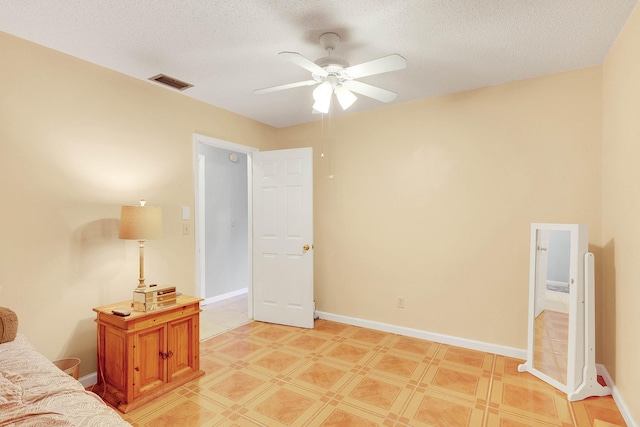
[{"x": 186, "y": 213}]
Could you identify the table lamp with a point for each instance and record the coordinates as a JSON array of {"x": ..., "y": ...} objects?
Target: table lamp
[{"x": 140, "y": 223}]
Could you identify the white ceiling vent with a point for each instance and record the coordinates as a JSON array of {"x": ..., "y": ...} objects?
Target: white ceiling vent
[{"x": 170, "y": 81}]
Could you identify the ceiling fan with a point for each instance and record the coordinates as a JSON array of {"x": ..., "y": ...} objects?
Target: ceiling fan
[{"x": 333, "y": 74}]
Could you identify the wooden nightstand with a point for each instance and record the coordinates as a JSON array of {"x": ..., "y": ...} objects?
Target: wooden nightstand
[{"x": 146, "y": 354}]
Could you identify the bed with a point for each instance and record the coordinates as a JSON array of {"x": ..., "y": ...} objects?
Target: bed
[{"x": 34, "y": 392}]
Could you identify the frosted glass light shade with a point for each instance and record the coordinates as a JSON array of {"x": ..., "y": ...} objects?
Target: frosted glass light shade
[
  {"x": 322, "y": 97},
  {"x": 322, "y": 106},
  {"x": 140, "y": 222},
  {"x": 323, "y": 91},
  {"x": 345, "y": 97}
]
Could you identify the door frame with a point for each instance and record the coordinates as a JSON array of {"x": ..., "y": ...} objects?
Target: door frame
[{"x": 200, "y": 218}]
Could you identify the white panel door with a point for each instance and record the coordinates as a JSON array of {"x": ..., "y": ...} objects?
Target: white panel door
[{"x": 283, "y": 237}]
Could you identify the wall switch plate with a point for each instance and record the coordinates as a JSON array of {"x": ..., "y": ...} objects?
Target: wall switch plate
[
  {"x": 186, "y": 228},
  {"x": 186, "y": 213},
  {"x": 400, "y": 302}
]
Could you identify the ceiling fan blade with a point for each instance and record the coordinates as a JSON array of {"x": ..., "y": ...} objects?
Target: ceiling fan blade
[
  {"x": 377, "y": 66},
  {"x": 287, "y": 86},
  {"x": 374, "y": 92},
  {"x": 303, "y": 62}
]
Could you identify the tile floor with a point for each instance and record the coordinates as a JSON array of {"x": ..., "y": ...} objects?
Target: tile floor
[{"x": 262, "y": 374}]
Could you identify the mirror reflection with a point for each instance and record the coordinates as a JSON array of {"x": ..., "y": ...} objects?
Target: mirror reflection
[{"x": 552, "y": 289}]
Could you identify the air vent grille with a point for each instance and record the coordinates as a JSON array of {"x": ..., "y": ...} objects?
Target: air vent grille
[{"x": 170, "y": 81}]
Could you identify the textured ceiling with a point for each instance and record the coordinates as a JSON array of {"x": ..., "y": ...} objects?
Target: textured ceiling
[{"x": 227, "y": 48}]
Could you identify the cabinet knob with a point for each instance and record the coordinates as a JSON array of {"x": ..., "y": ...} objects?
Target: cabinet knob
[{"x": 166, "y": 355}]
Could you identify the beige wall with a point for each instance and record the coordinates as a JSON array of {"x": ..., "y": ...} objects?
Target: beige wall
[
  {"x": 621, "y": 212},
  {"x": 76, "y": 142},
  {"x": 433, "y": 200}
]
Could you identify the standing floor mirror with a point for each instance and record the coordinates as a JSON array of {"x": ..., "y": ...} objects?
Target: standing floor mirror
[{"x": 561, "y": 341}]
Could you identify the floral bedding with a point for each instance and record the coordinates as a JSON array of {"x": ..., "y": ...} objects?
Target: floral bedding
[{"x": 34, "y": 392}]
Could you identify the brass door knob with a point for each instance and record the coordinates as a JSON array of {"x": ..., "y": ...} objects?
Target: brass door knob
[{"x": 305, "y": 247}]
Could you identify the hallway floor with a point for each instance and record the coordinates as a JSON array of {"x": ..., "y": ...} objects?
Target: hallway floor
[
  {"x": 261, "y": 374},
  {"x": 221, "y": 316}
]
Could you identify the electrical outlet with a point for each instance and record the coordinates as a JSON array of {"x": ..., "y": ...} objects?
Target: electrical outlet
[
  {"x": 400, "y": 302},
  {"x": 186, "y": 228}
]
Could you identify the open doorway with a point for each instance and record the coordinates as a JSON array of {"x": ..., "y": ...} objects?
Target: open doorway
[
  {"x": 279, "y": 232},
  {"x": 223, "y": 230}
]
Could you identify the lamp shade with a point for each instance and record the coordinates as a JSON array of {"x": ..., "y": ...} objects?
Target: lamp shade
[{"x": 140, "y": 222}]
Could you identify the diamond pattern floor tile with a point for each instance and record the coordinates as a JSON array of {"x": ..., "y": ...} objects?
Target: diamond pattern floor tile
[
  {"x": 433, "y": 409},
  {"x": 260, "y": 374}
]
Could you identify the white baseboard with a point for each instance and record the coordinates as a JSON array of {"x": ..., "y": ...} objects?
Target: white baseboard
[
  {"x": 615, "y": 393},
  {"x": 429, "y": 336},
  {"x": 225, "y": 296},
  {"x": 89, "y": 379},
  {"x": 556, "y": 283}
]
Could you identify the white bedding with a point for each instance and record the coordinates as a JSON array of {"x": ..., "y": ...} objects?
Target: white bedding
[{"x": 34, "y": 392}]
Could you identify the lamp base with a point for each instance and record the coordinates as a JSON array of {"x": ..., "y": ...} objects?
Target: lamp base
[{"x": 153, "y": 298}]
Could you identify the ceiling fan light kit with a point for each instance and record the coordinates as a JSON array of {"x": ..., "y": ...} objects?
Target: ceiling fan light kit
[{"x": 333, "y": 75}]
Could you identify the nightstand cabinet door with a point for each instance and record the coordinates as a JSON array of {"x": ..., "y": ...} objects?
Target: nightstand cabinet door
[
  {"x": 150, "y": 368},
  {"x": 112, "y": 359},
  {"x": 183, "y": 347}
]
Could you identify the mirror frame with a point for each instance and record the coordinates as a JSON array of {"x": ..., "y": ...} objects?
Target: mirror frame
[{"x": 581, "y": 369}]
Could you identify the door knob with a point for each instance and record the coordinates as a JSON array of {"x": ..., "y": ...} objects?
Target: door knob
[{"x": 305, "y": 247}]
